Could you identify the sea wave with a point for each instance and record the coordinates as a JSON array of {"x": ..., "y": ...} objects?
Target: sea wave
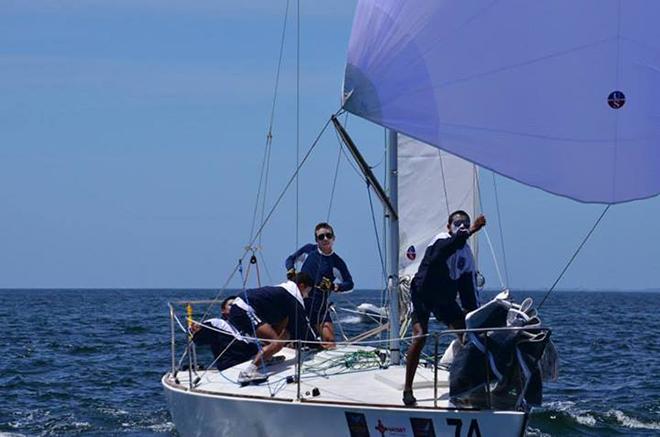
[
  {"x": 631, "y": 422},
  {"x": 567, "y": 415},
  {"x": 351, "y": 320}
]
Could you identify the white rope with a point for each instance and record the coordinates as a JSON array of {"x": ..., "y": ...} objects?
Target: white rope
[{"x": 492, "y": 252}]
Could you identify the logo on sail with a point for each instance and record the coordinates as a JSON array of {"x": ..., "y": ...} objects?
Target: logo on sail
[
  {"x": 411, "y": 254},
  {"x": 616, "y": 99}
]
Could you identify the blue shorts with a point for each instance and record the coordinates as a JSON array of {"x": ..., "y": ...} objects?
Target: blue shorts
[{"x": 447, "y": 312}]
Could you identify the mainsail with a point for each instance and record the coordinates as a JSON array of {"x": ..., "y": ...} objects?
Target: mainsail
[
  {"x": 432, "y": 184},
  {"x": 560, "y": 95}
]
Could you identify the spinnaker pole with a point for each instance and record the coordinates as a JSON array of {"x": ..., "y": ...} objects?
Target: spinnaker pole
[{"x": 392, "y": 244}]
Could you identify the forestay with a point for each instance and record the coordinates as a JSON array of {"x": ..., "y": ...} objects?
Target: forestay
[
  {"x": 432, "y": 184},
  {"x": 560, "y": 95}
]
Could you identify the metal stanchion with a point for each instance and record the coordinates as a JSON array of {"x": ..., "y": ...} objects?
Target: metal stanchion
[
  {"x": 490, "y": 401},
  {"x": 435, "y": 371},
  {"x": 190, "y": 366},
  {"x": 172, "y": 340},
  {"x": 298, "y": 367}
]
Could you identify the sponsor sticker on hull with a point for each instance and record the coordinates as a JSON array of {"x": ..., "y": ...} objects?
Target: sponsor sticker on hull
[
  {"x": 422, "y": 427},
  {"x": 357, "y": 424}
]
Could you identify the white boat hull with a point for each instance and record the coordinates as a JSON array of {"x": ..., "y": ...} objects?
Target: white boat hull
[{"x": 199, "y": 413}]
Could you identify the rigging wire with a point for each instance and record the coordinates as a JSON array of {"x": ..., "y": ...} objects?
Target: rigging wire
[
  {"x": 492, "y": 253},
  {"x": 488, "y": 240},
  {"x": 297, "y": 121},
  {"x": 265, "y": 164},
  {"x": 334, "y": 184},
  {"x": 444, "y": 181},
  {"x": 270, "y": 213},
  {"x": 499, "y": 223},
  {"x": 570, "y": 261},
  {"x": 277, "y": 73},
  {"x": 254, "y": 328},
  {"x": 334, "y": 181},
  {"x": 373, "y": 220},
  {"x": 265, "y": 192}
]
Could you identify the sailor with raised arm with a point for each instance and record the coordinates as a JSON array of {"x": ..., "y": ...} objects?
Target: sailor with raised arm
[
  {"x": 447, "y": 269},
  {"x": 329, "y": 273}
]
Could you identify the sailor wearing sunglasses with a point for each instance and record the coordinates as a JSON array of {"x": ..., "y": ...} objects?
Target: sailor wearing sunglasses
[
  {"x": 447, "y": 269},
  {"x": 329, "y": 273}
]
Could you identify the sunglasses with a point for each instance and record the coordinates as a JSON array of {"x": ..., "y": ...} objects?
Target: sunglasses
[
  {"x": 327, "y": 236},
  {"x": 458, "y": 223}
]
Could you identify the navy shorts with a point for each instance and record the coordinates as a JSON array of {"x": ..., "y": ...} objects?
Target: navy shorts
[
  {"x": 228, "y": 351},
  {"x": 446, "y": 312},
  {"x": 233, "y": 351}
]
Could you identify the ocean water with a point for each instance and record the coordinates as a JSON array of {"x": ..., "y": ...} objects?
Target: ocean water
[{"x": 90, "y": 361}]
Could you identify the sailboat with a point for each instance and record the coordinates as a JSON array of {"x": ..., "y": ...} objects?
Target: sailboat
[{"x": 559, "y": 96}]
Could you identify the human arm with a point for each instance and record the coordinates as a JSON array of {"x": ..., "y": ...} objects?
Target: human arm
[
  {"x": 479, "y": 223},
  {"x": 443, "y": 248},
  {"x": 298, "y": 256},
  {"x": 342, "y": 276}
]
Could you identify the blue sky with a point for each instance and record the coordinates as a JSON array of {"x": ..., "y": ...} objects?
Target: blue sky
[{"x": 131, "y": 134}]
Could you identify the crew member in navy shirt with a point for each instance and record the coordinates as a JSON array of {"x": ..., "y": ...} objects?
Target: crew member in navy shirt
[
  {"x": 271, "y": 313},
  {"x": 329, "y": 274},
  {"x": 447, "y": 269}
]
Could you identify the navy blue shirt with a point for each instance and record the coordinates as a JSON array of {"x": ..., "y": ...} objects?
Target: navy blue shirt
[
  {"x": 433, "y": 281},
  {"x": 274, "y": 304},
  {"x": 318, "y": 265}
]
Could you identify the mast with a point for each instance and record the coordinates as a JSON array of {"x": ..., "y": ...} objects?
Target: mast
[{"x": 392, "y": 244}]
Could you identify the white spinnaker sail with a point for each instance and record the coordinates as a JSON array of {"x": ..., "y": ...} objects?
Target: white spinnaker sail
[{"x": 432, "y": 183}]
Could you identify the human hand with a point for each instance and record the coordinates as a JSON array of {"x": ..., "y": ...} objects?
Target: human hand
[
  {"x": 479, "y": 223},
  {"x": 326, "y": 284}
]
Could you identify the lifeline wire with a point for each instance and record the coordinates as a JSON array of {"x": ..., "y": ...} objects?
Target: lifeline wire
[{"x": 591, "y": 231}]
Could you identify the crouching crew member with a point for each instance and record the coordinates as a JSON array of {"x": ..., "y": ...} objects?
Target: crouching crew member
[
  {"x": 228, "y": 345},
  {"x": 271, "y": 313}
]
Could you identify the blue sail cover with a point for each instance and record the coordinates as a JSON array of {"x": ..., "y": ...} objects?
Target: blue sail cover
[{"x": 563, "y": 95}]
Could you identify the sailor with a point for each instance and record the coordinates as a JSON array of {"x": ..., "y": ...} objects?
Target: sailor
[
  {"x": 228, "y": 345},
  {"x": 447, "y": 268},
  {"x": 329, "y": 273},
  {"x": 271, "y": 313},
  {"x": 226, "y": 305}
]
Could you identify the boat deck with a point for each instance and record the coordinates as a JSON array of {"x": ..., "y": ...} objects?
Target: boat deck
[{"x": 346, "y": 375}]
